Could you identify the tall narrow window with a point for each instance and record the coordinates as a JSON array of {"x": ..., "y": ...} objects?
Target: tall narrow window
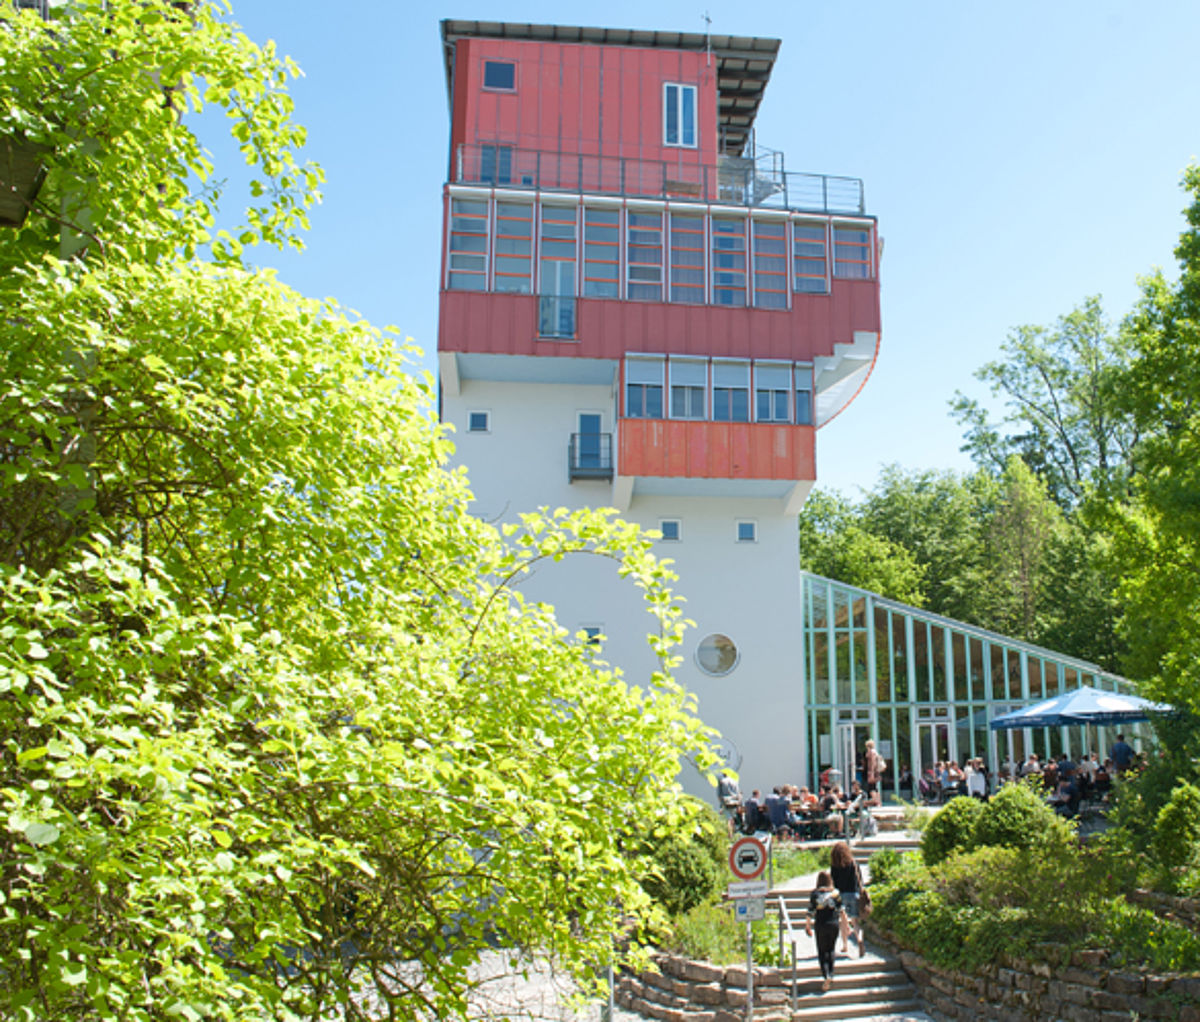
[
  {"x": 679, "y": 115},
  {"x": 728, "y": 261},
  {"x": 731, "y": 392},
  {"x": 770, "y": 263},
  {"x": 514, "y": 247},
  {"x": 644, "y": 388},
  {"x": 772, "y": 389},
  {"x": 687, "y": 258},
  {"x": 556, "y": 307},
  {"x": 804, "y": 396},
  {"x": 689, "y": 384},
  {"x": 495, "y": 164},
  {"x": 468, "y": 245},
  {"x": 809, "y": 258},
  {"x": 644, "y": 253},
  {"x": 851, "y": 251},
  {"x": 601, "y": 252}
]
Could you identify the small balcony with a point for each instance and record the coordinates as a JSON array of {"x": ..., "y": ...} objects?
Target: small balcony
[
  {"x": 590, "y": 456},
  {"x": 746, "y": 181}
]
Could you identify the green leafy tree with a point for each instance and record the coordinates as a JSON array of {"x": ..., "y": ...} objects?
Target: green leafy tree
[
  {"x": 1060, "y": 386},
  {"x": 279, "y": 735}
]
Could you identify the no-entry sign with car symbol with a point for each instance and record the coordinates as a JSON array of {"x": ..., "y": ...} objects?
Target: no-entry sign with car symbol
[{"x": 747, "y": 858}]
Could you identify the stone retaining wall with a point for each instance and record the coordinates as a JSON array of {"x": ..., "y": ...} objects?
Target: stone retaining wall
[
  {"x": 688, "y": 991},
  {"x": 1081, "y": 987}
]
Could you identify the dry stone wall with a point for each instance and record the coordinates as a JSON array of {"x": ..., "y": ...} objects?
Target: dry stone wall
[{"x": 689, "y": 991}]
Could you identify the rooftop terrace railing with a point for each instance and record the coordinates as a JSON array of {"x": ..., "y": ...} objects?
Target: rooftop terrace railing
[{"x": 732, "y": 181}]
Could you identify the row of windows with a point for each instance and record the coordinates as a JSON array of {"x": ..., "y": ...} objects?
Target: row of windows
[
  {"x": 690, "y": 257},
  {"x": 723, "y": 391}
]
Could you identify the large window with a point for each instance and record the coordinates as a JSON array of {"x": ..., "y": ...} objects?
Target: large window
[
  {"x": 772, "y": 390},
  {"x": 644, "y": 250},
  {"x": 468, "y": 245},
  {"x": 728, "y": 261},
  {"x": 809, "y": 258},
  {"x": 770, "y": 263},
  {"x": 514, "y": 247},
  {"x": 556, "y": 282},
  {"x": 731, "y": 392},
  {"x": 601, "y": 252},
  {"x": 851, "y": 251},
  {"x": 687, "y": 258},
  {"x": 679, "y": 115},
  {"x": 499, "y": 74},
  {"x": 644, "y": 388},
  {"x": 689, "y": 384}
]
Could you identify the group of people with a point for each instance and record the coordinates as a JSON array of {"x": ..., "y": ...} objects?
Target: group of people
[
  {"x": 793, "y": 812},
  {"x": 945, "y": 779}
]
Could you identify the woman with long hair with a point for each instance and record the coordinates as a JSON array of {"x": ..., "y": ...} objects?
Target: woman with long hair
[
  {"x": 847, "y": 878},
  {"x": 824, "y": 912}
]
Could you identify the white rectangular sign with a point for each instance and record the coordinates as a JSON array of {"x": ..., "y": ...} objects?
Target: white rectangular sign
[
  {"x": 748, "y": 889},
  {"x": 748, "y": 909}
]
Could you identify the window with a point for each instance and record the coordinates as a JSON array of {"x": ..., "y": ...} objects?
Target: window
[
  {"x": 479, "y": 422},
  {"x": 556, "y": 283},
  {"x": 808, "y": 258},
  {"x": 772, "y": 384},
  {"x": 717, "y": 654},
  {"x": 592, "y": 634},
  {"x": 770, "y": 263},
  {"x": 514, "y": 247},
  {"x": 644, "y": 388},
  {"x": 731, "y": 392},
  {"x": 644, "y": 249},
  {"x": 728, "y": 261},
  {"x": 804, "y": 396},
  {"x": 851, "y": 252},
  {"x": 601, "y": 252},
  {"x": 689, "y": 384},
  {"x": 747, "y": 531},
  {"x": 669, "y": 527},
  {"x": 495, "y": 164},
  {"x": 468, "y": 245},
  {"x": 499, "y": 74},
  {"x": 679, "y": 115},
  {"x": 687, "y": 258}
]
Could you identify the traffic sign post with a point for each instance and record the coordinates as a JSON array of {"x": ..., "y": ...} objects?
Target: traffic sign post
[{"x": 748, "y": 858}]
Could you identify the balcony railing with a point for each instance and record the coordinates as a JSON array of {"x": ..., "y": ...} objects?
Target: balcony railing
[
  {"x": 732, "y": 180},
  {"x": 590, "y": 456},
  {"x": 556, "y": 317}
]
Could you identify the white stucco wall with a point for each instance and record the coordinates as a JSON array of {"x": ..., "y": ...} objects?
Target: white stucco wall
[{"x": 748, "y": 591}]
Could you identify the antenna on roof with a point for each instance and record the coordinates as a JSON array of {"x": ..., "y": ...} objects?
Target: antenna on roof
[{"x": 707, "y": 40}]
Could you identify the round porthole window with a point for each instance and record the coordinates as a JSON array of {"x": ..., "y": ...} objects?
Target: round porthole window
[{"x": 716, "y": 654}]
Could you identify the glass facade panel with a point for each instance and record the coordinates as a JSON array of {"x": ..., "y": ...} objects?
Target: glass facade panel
[
  {"x": 687, "y": 259},
  {"x": 643, "y": 251},
  {"x": 601, "y": 253},
  {"x": 728, "y": 261}
]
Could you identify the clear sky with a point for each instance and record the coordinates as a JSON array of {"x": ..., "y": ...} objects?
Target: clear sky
[{"x": 1019, "y": 157}]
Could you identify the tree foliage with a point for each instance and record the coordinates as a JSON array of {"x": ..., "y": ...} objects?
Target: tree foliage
[{"x": 280, "y": 736}]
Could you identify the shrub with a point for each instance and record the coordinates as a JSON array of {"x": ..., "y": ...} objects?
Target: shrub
[
  {"x": 686, "y": 872},
  {"x": 711, "y": 933},
  {"x": 1138, "y": 936},
  {"x": 1017, "y": 817},
  {"x": 951, "y": 830},
  {"x": 794, "y": 862},
  {"x": 884, "y": 864},
  {"x": 1177, "y": 827}
]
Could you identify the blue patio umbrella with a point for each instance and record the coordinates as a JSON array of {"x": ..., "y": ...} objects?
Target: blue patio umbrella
[{"x": 1081, "y": 706}]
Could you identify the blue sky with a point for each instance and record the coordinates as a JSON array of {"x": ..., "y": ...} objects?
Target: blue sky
[{"x": 1019, "y": 157}]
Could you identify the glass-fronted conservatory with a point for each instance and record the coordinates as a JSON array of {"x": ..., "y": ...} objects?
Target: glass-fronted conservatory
[{"x": 925, "y": 687}]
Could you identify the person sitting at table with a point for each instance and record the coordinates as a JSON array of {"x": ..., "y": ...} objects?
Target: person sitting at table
[
  {"x": 830, "y": 805},
  {"x": 805, "y": 799}
]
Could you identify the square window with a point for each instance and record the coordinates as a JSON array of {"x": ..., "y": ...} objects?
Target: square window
[
  {"x": 593, "y": 634},
  {"x": 669, "y": 527},
  {"x": 747, "y": 532},
  {"x": 499, "y": 74},
  {"x": 479, "y": 422}
]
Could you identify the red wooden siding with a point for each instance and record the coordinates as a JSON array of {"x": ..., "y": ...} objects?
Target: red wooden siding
[
  {"x": 472, "y": 321},
  {"x": 716, "y": 450}
]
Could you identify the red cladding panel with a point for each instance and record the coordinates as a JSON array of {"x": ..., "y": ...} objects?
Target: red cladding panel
[{"x": 716, "y": 450}]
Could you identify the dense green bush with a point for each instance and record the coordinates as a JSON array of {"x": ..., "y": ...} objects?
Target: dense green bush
[
  {"x": 685, "y": 873},
  {"x": 1018, "y": 817},
  {"x": 883, "y": 865},
  {"x": 951, "y": 830},
  {"x": 1177, "y": 827},
  {"x": 1137, "y": 936}
]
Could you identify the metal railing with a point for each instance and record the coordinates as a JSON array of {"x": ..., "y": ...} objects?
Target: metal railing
[
  {"x": 735, "y": 180},
  {"x": 589, "y": 456},
  {"x": 556, "y": 317}
]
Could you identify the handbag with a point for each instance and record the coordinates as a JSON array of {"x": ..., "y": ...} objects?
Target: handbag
[{"x": 864, "y": 899}]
